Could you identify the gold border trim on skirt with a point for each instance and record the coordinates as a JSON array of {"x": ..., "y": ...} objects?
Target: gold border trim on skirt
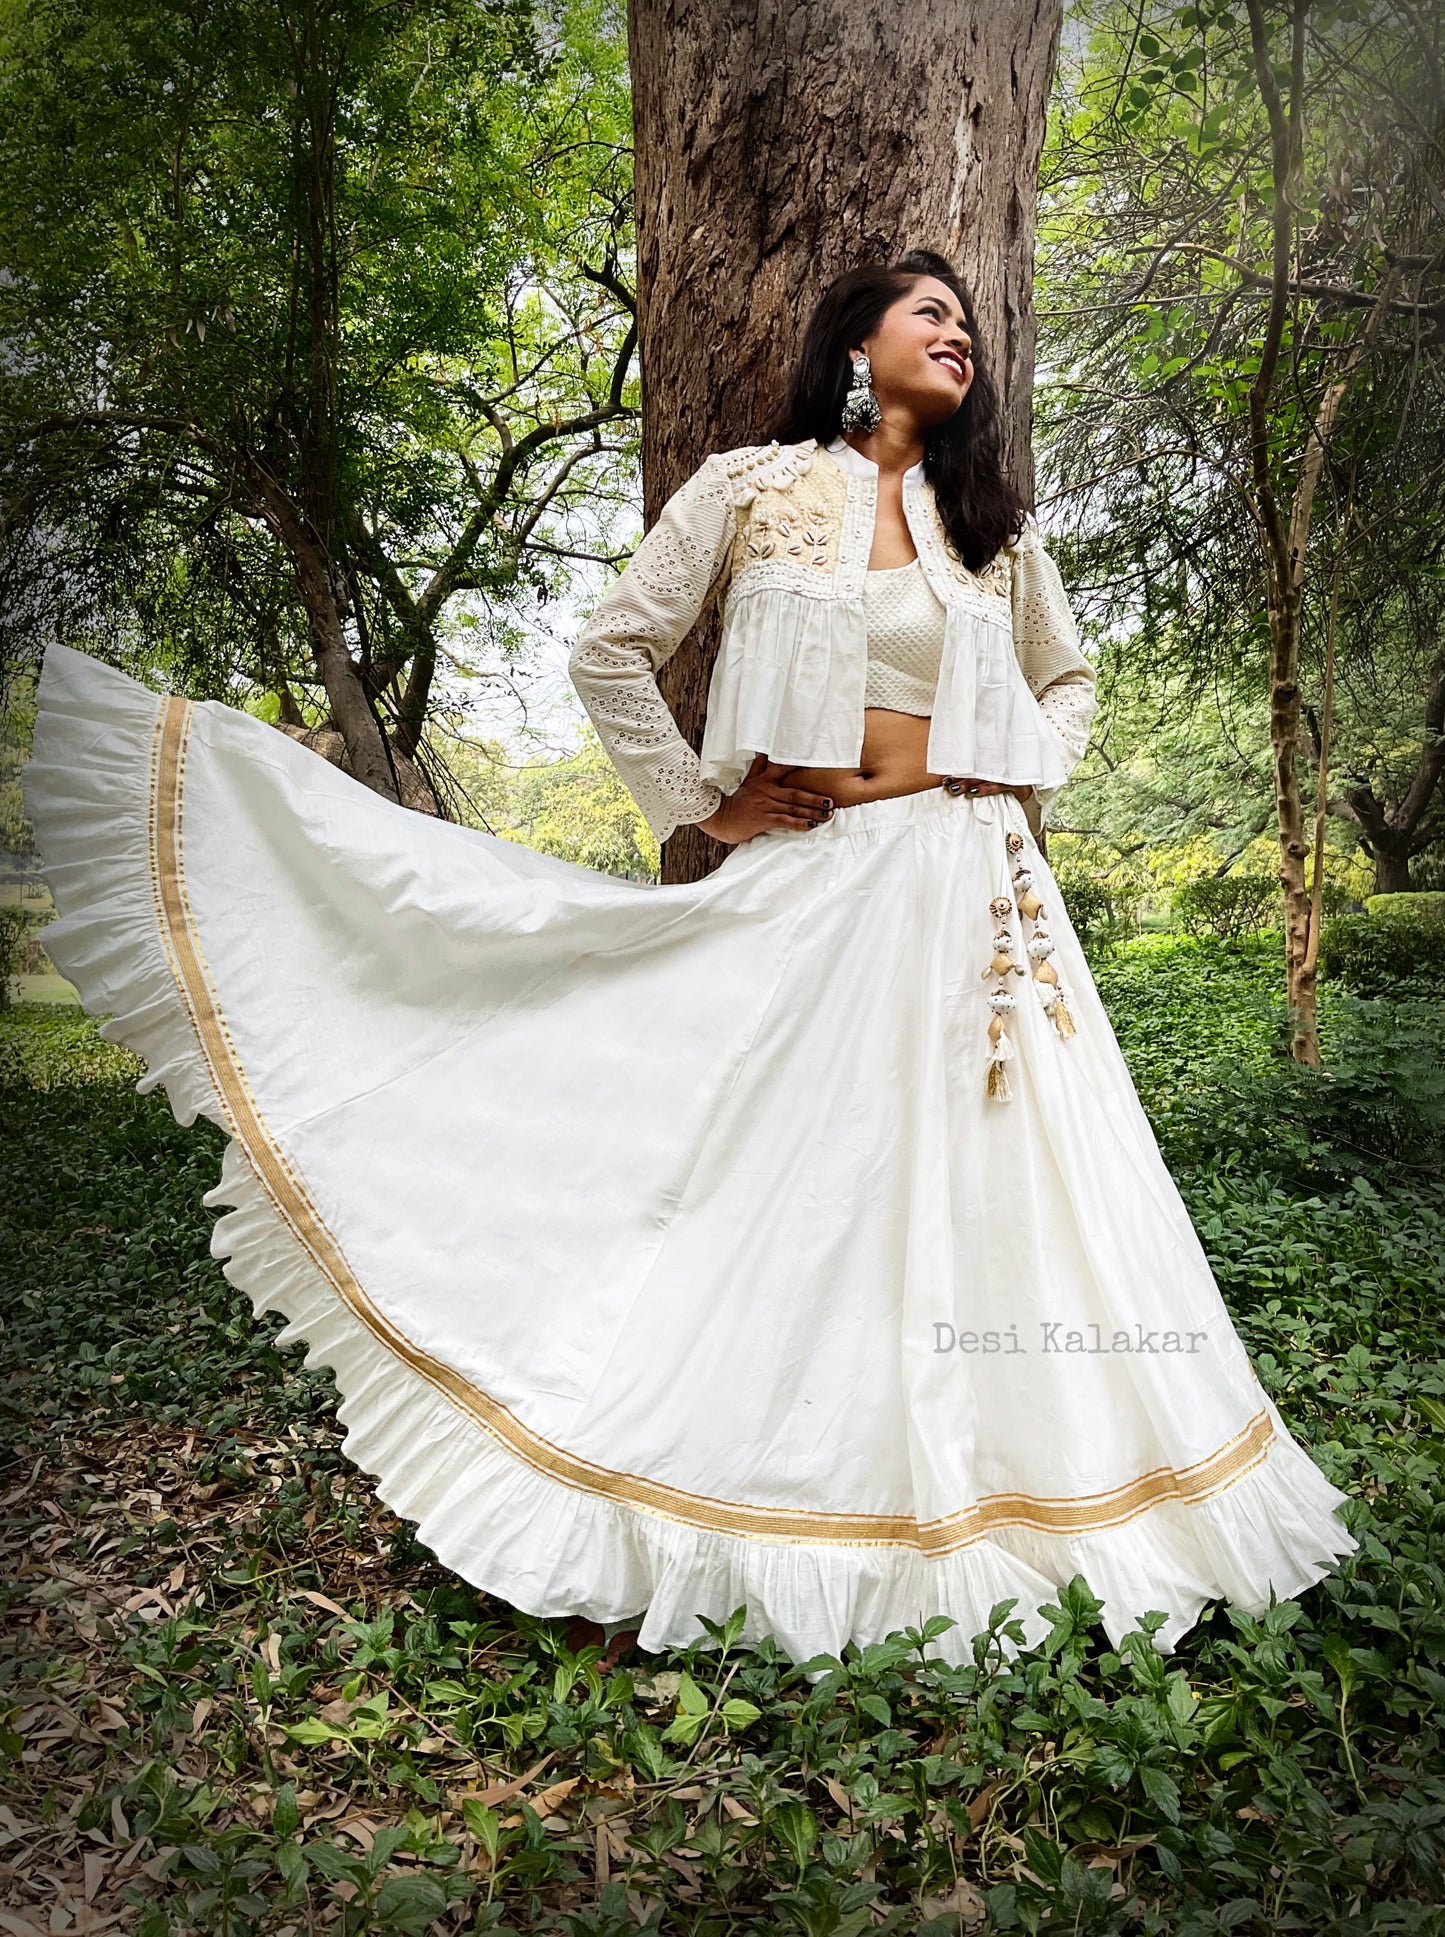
[{"x": 297, "y": 1210}]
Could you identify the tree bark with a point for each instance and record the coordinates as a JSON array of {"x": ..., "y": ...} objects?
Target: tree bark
[
  {"x": 776, "y": 147},
  {"x": 1392, "y": 871}
]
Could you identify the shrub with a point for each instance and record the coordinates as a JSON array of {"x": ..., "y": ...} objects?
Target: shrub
[
  {"x": 1373, "y": 954},
  {"x": 1204, "y": 1028},
  {"x": 1100, "y": 909},
  {"x": 1227, "y": 905},
  {"x": 1428, "y": 905},
  {"x": 1336, "y": 899},
  {"x": 15, "y": 947}
]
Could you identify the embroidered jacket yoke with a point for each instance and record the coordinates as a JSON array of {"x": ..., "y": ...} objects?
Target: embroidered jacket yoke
[{"x": 784, "y": 533}]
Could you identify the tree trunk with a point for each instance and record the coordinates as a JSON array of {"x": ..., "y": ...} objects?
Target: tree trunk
[
  {"x": 1301, "y": 975},
  {"x": 776, "y": 148},
  {"x": 1394, "y": 832},
  {"x": 1392, "y": 869},
  {"x": 345, "y": 693}
]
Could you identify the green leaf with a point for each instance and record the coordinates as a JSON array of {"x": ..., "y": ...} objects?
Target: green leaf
[
  {"x": 312, "y": 1731},
  {"x": 286, "y": 1817},
  {"x": 738, "y": 1713},
  {"x": 1043, "y": 1856},
  {"x": 796, "y": 1828},
  {"x": 1181, "y": 1698},
  {"x": 690, "y": 1696},
  {"x": 686, "y": 1729},
  {"x": 339, "y": 1865},
  {"x": 484, "y": 1823},
  {"x": 410, "y": 1902},
  {"x": 1162, "y": 1790},
  {"x": 387, "y": 1842},
  {"x": 1336, "y": 1651}
]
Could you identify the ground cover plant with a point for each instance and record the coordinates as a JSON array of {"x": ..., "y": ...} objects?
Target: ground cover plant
[{"x": 238, "y": 1696}]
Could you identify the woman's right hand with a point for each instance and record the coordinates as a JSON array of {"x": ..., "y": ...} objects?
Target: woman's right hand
[{"x": 762, "y": 802}]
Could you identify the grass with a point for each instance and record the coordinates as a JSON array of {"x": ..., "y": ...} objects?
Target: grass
[
  {"x": 42, "y": 988},
  {"x": 239, "y": 1696}
]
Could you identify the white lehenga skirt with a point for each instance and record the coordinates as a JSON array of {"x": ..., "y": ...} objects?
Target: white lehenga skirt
[{"x": 666, "y": 1247}]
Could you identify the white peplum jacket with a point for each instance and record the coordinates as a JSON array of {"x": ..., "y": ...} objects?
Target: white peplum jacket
[{"x": 785, "y": 533}]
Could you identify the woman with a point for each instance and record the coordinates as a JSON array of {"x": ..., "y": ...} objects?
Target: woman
[{"x": 793, "y": 1237}]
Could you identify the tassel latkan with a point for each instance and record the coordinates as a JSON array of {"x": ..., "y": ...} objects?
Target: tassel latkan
[{"x": 997, "y": 1087}]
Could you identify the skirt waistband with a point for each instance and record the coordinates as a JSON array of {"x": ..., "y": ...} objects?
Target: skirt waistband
[{"x": 900, "y": 810}]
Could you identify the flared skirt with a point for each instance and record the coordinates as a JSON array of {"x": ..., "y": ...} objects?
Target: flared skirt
[{"x": 667, "y": 1246}]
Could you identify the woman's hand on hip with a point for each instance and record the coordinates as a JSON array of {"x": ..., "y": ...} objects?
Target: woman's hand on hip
[
  {"x": 762, "y": 802},
  {"x": 961, "y": 784}
]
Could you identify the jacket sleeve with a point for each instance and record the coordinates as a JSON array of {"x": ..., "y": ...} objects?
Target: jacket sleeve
[
  {"x": 1046, "y": 640},
  {"x": 632, "y": 633}
]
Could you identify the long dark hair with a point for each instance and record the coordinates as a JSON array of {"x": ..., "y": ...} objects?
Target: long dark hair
[{"x": 962, "y": 457}]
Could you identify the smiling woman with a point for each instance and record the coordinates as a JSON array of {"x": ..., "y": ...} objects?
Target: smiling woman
[
  {"x": 517, "y": 1146},
  {"x": 920, "y": 351}
]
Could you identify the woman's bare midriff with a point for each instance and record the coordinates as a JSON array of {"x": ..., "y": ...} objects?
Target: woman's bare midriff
[{"x": 893, "y": 760}]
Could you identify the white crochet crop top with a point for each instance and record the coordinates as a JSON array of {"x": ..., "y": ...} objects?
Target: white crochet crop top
[{"x": 905, "y": 639}]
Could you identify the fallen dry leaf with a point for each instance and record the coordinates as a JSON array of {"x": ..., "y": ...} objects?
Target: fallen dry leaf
[
  {"x": 962, "y": 1901},
  {"x": 19, "y": 1926},
  {"x": 320, "y": 1600},
  {"x": 95, "y": 1868},
  {"x": 503, "y": 1791},
  {"x": 547, "y": 1803}
]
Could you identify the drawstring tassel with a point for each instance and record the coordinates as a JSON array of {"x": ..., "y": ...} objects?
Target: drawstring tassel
[
  {"x": 1003, "y": 961},
  {"x": 1029, "y": 903},
  {"x": 1046, "y": 980},
  {"x": 1038, "y": 947},
  {"x": 1002, "y": 1004}
]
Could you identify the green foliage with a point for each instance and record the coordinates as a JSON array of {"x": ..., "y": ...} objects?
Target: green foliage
[
  {"x": 1227, "y": 905},
  {"x": 1102, "y": 908},
  {"x": 16, "y": 939},
  {"x": 1392, "y": 906},
  {"x": 580, "y": 810},
  {"x": 311, "y": 273},
  {"x": 1378, "y": 952},
  {"x": 1155, "y": 254},
  {"x": 17, "y": 720},
  {"x": 1206, "y": 1035}
]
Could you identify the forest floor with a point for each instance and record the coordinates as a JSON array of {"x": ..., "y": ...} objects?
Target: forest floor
[{"x": 238, "y": 1696}]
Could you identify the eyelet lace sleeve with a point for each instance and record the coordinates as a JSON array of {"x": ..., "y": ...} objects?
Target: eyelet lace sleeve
[
  {"x": 633, "y": 632},
  {"x": 1046, "y": 640}
]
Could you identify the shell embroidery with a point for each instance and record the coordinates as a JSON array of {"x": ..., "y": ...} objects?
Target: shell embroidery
[
  {"x": 762, "y": 465},
  {"x": 790, "y": 534},
  {"x": 995, "y": 576}
]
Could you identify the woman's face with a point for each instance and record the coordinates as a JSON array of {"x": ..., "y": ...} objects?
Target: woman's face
[{"x": 920, "y": 354}]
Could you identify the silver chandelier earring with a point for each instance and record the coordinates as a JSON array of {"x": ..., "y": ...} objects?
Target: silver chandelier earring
[{"x": 860, "y": 406}]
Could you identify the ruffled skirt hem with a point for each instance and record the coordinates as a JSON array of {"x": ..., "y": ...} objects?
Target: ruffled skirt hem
[{"x": 546, "y": 1546}]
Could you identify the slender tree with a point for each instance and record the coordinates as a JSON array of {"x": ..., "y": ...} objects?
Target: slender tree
[{"x": 1247, "y": 242}]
